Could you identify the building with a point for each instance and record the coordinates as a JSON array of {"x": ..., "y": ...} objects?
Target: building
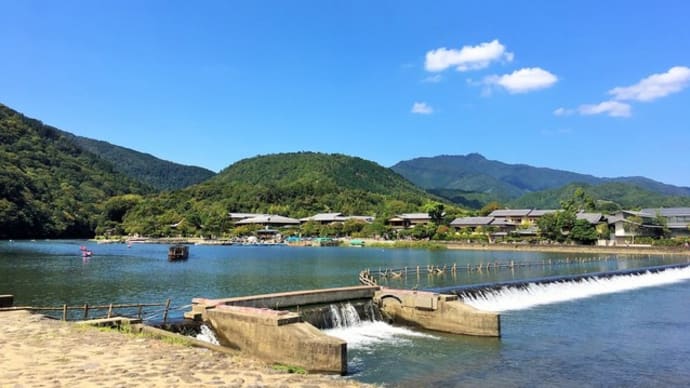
[
  {"x": 332, "y": 218},
  {"x": 512, "y": 216},
  {"x": 269, "y": 221},
  {"x": 409, "y": 220}
]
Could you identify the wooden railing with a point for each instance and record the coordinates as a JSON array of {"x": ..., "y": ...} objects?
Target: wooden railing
[
  {"x": 111, "y": 308},
  {"x": 371, "y": 278}
]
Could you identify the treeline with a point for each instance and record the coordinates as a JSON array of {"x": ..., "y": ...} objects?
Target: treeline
[
  {"x": 145, "y": 168},
  {"x": 49, "y": 187},
  {"x": 608, "y": 197},
  {"x": 295, "y": 185}
]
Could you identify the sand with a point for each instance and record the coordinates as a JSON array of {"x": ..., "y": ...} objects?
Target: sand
[{"x": 39, "y": 352}]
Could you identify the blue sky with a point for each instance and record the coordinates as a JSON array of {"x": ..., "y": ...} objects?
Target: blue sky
[{"x": 597, "y": 87}]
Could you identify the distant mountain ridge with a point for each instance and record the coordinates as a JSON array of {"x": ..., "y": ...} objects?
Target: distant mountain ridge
[
  {"x": 297, "y": 184},
  {"x": 157, "y": 173},
  {"x": 473, "y": 179}
]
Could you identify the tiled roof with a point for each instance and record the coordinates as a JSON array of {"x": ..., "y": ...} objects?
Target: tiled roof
[
  {"x": 539, "y": 213},
  {"x": 325, "y": 217},
  {"x": 669, "y": 211},
  {"x": 592, "y": 218},
  {"x": 471, "y": 221},
  {"x": 510, "y": 213},
  {"x": 269, "y": 219},
  {"x": 240, "y": 216},
  {"x": 415, "y": 216}
]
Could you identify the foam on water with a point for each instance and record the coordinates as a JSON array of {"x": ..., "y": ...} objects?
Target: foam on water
[
  {"x": 206, "y": 334},
  {"x": 535, "y": 294},
  {"x": 370, "y": 333}
]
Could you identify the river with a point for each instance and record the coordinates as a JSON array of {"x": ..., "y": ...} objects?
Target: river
[{"x": 632, "y": 333}]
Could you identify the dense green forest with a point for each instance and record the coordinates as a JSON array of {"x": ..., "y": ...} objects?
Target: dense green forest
[
  {"x": 608, "y": 196},
  {"x": 52, "y": 186},
  {"x": 49, "y": 187},
  {"x": 472, "y": 180},
  {"x": 157, "y": 173},
  {"x": 291, "y": 184}
]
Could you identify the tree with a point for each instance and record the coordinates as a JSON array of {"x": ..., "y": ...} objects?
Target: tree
[
  {"x": 555, "y": 226},
  {"x": 583, "y": 232},
  {"x": 633, "y": 225},
  {"x": 579, "y": 201},
  {"x": 489, "y": 207},
  {"x": 436, "y": 212},
  {"x": 662, "y": 230}
]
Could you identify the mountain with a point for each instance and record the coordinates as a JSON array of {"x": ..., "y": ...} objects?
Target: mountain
[
  {"x": 472, "y": 178},
  {"x": 291, "y": 184},
  {"x": 608, "y": 197},
  {"x": 49, "y": 187},
  {"x": 146, "y": 168}
]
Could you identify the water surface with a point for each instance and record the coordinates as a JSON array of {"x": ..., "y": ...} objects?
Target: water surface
[{"x": 634, "y": 337}]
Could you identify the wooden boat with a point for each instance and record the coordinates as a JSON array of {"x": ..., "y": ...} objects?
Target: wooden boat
[{"x": 178, "y": 252}]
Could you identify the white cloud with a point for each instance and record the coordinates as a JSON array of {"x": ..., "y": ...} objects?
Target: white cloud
[
  {"x": 611, "y": 108},
  {"x": 523, "y": 80},
  {"x": 433, "y": 79},
  {"x": 563, "y": 112},
  {"x": 655, "y": 86},
  {"x": 422, "y": 108},
  {"x": 467, "y": 58}
]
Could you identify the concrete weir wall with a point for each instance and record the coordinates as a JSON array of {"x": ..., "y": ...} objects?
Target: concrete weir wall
[
  {"x": 279, "y": 337},
  {"x": 256, "y": 325},
  {"x": 437, "y": 312}
]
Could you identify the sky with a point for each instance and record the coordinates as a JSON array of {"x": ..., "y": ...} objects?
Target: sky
[{"x": 595, "y": 87}]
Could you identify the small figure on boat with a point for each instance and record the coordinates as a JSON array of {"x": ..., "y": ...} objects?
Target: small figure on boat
[{"x": 85, "y": 252}]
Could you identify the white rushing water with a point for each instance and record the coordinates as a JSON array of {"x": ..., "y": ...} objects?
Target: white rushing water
[
  {"x": 535, "y": 294},
  {"x": 207, "y": 335},
  {"x": 368, "y": 334},
  {"x": 358, "y": 333}
]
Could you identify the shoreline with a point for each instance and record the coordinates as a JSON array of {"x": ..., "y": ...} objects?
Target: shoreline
[
  {"x": 452, "y": 245},
  {"x": 37, "y": 351},
  {"x": 615, "y": 250}
]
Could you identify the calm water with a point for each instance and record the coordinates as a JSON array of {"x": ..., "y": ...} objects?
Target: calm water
[{"x": 635, "y": 337}]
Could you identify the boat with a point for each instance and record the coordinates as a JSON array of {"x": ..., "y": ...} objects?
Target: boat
[
  {"x": 85, "y": 252},
  {"x": 178, "y": 252}
]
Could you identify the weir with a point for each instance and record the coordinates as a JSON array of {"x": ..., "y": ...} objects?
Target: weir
[
  {"x": 521, "y": 294},
  {"x": 283, "y": 327}
]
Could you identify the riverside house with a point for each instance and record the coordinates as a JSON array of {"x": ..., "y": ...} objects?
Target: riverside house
[
  {"x": 409, "y": 220},
  {"x": 334, "y": 218}
]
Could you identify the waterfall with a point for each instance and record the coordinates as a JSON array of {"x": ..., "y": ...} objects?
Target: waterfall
[
  {"x": 344, "y": 315},
  {"x": 368, "y": 329},
  {"x": 525, "y": 295},
  {"x": 206, "y": 334}
]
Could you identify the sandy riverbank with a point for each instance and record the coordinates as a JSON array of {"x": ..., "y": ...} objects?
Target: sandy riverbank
[{"x": 36, "y": 351}]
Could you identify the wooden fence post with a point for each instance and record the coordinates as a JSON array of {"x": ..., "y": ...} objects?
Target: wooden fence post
[
  {"x": 110, "y": 310},
  {"x": 64, "y": 312},
  {"x": 86, "y": 311},
  {"x": 167, "y": 307}
]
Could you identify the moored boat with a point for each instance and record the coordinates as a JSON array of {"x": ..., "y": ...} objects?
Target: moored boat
[{"x": 178, "y": 252}]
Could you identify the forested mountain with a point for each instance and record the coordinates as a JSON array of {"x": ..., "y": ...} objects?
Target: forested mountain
[
  {"x": 608, "y": 196},
  {"x": 292, "y": 184},
  {"x": 472, "y": 179},
  {"x": 146, "y": 168},
  {"x": 49, "y": 187}
]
